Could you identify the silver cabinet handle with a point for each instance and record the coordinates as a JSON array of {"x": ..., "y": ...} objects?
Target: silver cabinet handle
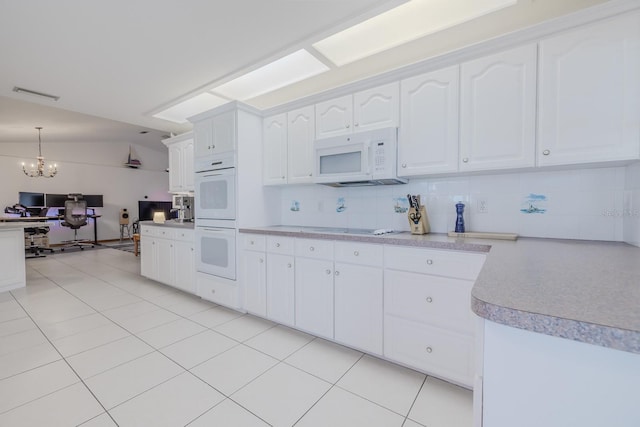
[
  {"x": 277, "y": 245},
  {"x": 311, "y": 248},
  {"x": 289, "y": 265},
  {"x": 213, "y": 291},
  {"x": 328, "y": 271},
  {"x": 337, "y": 273},
  {"x": 283, "y": 177},
  {"x": 404, "y": 165},
  {"x": 251, "y": 242},
  {"x": 429, "y": 299},
  {"x": 356, "y": 124},
  {"x": 465, "y": 160},
  {"x": 356, "y": 253},
  {"x": 348, "y": 126},
  {"x": 429, "y": 350},
  {"x": 546, "y": 152},
  {"x": 213, "y": 146},
  {"x": 429, "y": 262},
  {"x": 261, "y": 260}
]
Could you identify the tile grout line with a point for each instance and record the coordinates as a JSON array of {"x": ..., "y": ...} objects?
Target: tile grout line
[{"x": 415, "y": 400}]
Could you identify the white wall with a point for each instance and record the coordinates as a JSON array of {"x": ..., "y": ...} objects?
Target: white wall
[
  {"x": 579, "y": 204},
  {"x": 89, "y": 168},
  {"x": 631, "y": 206}
]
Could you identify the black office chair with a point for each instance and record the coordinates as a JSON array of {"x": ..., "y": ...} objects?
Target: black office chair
[
  {"x": 75, "y": 216},
  {"x": 36, "y": 241}
]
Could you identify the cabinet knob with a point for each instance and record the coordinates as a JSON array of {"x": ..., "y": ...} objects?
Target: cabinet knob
[
  {"x": 337, "y": 273},
  {"x": 356, "y": 124},
  {"x": 404, "y": 165},
  {"x": 311, "y": 248},
  {"x": 310, "y": 174},
  {"x": 429, "y": 350},
  {"x": 261, "y": 260},
  {"x": 348, "y": 126},
  {"x": 429, "y": 262},
  {"x": 465, "y": 160},
  {"x": 328, "y": 271},
  {"x": 251, "y": 242},
  {"x": 429, "y": 299},
  {"x": 356, "y": 253},
  {"x": 277, "y": 245},
  {"x": 546, "y": 152},
  {"x": 213, "y": 147},
  {"x": 289, "y": 265},
  {"x": 213, "y": 291},
  {"x": 282, "y": 176}
]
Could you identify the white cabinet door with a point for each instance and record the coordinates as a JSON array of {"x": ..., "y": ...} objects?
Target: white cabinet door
[
  {"x": 254, "y": 273},
  {"x": 148, "y": 257},
  {"x": 314, "y": 296},
  {"x": 187, "y": 165},
  {"x": 165, "y": 259},
  {"x": 376, "y": 108},
  {"x": 358, "y": 306},
  {"x": 590, "y": 94},
  {"x": 334, "y": 117},
  {"x": 428, "y": 135},
  {"x": 223, "y": 132},
  {"x": 498, "y": 110},
  {"x": 280, "y": 288},
  {"x": 175, "y": 168},
  {"x": 300, "y": 137},
  {"x": 203, "y": 135},
  {"x": 274, "y": 134},
  {"x": 12, "y": 264},
  {"x": 185, "y": 266}
]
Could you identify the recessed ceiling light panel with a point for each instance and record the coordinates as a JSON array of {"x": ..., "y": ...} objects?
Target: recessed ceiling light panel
[
  {"x": 199, "y": 103},
  {"x": 292, "y": 68},
  {"x": 410, "y": 21}
]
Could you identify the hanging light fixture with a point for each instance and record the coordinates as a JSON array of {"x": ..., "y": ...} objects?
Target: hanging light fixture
[{"x": 38, "y": 169}]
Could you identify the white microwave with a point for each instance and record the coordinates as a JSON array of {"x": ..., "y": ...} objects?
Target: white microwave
[{"x": 365, "y": 158}]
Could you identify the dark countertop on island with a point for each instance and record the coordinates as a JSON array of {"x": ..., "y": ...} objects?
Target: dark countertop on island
[{"x": 587, "y": 291}]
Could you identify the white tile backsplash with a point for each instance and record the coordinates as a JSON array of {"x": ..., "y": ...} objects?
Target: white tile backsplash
[{"x": 591, "y": 204}]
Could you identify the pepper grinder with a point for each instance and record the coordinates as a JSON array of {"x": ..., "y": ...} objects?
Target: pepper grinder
[{"x": 459, "y": 217}]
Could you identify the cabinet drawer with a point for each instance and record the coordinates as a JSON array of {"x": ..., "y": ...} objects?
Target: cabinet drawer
[
  {"x": 462, "y": 265},
  {"x": 436, "y": 300},
  {"x": 311, "y": 248},
  {"x": 147, "y": 230},
  {"x": 280, "y": 245},
  {"x": 183, "y": 235},
  {"x": 254, "y": 242},
  {"x": 165, "y": 232},
  {"x": 359, "y": 253},
  {"x": 214, "y": 289},
  {"x": 443, "y": 354}
]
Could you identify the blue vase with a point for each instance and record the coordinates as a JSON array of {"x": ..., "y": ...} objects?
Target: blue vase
[{"x": 459, "y": 217}]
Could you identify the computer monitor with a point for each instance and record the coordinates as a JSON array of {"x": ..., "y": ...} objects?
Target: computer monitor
[
  {"x": 93, "y": 200},
  {"x": 146, "y": 209},
  {"x": 55, "y": 200},
  {"x": 31, "y": 200}
]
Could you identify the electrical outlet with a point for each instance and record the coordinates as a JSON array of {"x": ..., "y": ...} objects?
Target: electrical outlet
[{"x": 483, "y": 206}]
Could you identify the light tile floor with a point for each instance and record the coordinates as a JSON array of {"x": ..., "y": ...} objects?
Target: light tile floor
[{"x": 90, "y": 342}]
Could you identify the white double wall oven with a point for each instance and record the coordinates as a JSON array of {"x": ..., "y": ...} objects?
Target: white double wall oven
[{"x": 215, "y": 230}]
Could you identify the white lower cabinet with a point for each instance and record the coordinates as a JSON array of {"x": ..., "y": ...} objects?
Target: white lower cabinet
[
  {"x": 358, "y": 289},
  {"x": 406, "y": 304},
  {"x": 167, "y": 256},
  {"x": 12, "y": 264},
  {"x": 314, "y": 286},
  {"x": 218, "y": 290}
]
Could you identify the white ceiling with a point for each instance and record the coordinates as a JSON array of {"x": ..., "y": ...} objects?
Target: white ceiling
[{"x": 118, "y": 62}]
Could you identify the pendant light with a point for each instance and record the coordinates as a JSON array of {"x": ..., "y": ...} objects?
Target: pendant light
[{"x": 37, "y": 170}]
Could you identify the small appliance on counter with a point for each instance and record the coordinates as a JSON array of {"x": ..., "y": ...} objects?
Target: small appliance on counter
[
  {"x": 418, "y": 220},
  {"x": 184, "y": 206}
]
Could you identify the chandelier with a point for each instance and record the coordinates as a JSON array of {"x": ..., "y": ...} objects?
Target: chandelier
[{"x": 38, "y": 169}]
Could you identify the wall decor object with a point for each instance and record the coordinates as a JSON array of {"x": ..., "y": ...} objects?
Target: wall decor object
[{"x": 534, "y": 204}]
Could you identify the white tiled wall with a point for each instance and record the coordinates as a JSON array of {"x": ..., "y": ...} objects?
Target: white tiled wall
[
  {"x": 579, "y": 204},
  {"x": 631, "y": 205}
]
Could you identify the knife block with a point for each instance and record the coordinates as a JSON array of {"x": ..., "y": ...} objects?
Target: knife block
[{"x": 418, "y": 221}]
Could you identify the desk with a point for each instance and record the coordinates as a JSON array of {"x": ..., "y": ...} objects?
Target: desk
[{"x": 52, "y": 218}]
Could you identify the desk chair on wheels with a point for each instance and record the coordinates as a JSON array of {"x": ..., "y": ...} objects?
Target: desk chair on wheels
[{"x": 75, "y": 216}]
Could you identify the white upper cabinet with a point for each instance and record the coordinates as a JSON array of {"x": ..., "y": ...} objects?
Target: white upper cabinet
[
  {"x": 215, "y": 135},
  {"x": 180, "y": 163},
  {"x": 370, "y": 109},
  {"x": 376, "y": 108},
  {"x": 300, "y": 137},
  {"x": 498, "y": 110},
  {"x": 428, "y": 136},
  {"x": 589, "y": 94},
  {"x": 274, "y": 135}
]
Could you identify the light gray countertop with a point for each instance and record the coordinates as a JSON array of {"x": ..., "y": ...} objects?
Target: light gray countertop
[
  {"x": 581, "y": 290},
  {"x": 170, "y": 223}
]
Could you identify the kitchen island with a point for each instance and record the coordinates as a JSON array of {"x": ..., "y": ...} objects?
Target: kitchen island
[{"x": 12, "y": 264}]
